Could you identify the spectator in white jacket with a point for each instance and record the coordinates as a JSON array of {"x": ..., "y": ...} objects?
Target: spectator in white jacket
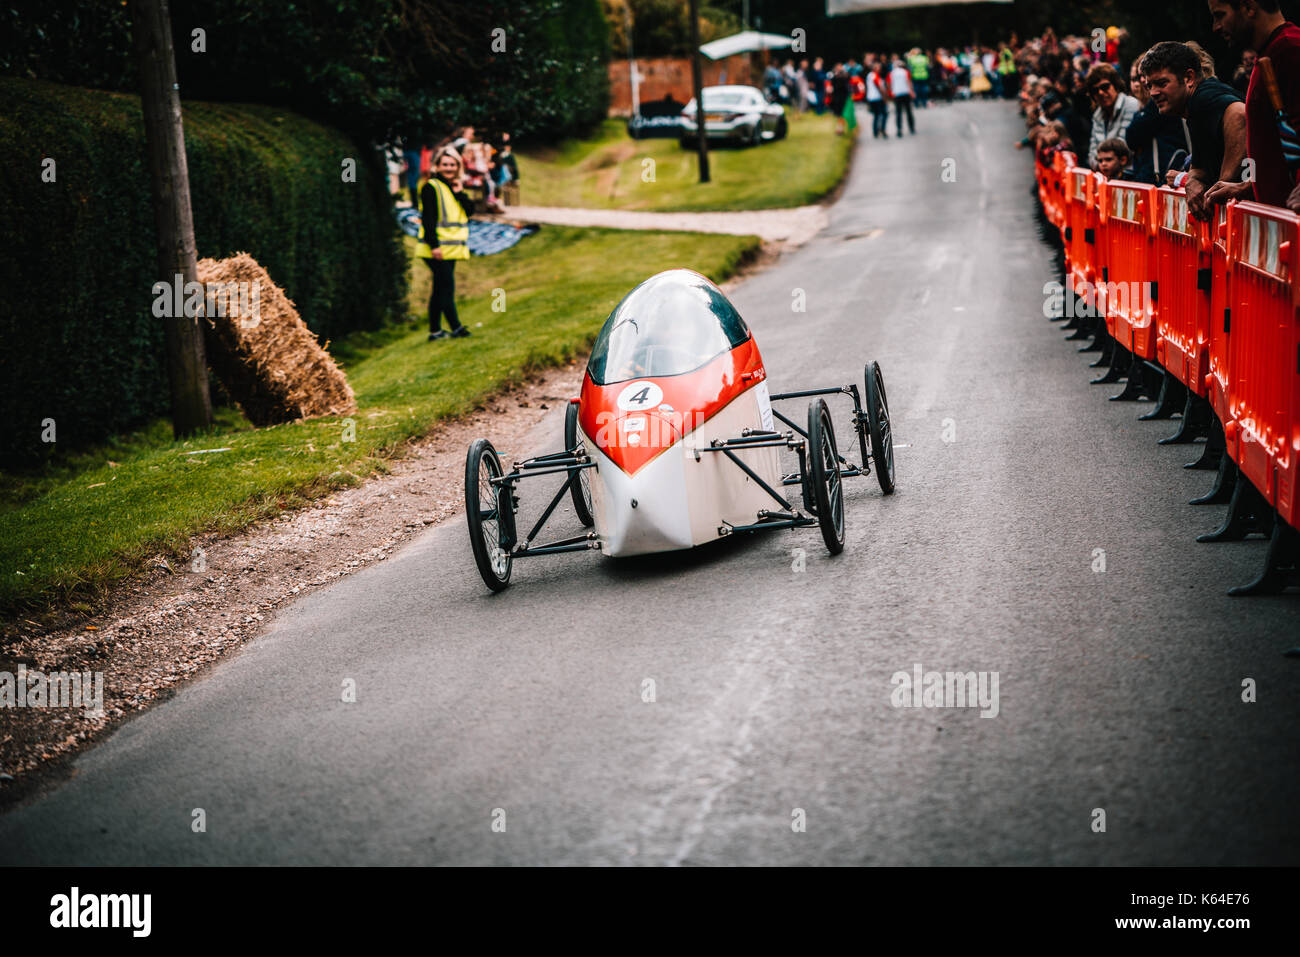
[{"x": 1114, "y": 111}]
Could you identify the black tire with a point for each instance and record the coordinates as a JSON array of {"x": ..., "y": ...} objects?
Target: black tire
[
  {"x": 579, "y": 491},
  {"x": 782, "y": 128},
  {"x": 823, "y": 466},
  {"x": 756, "y": 137},
  {"x": 882, "y": 435},
  {"x": 485, "y": 522}
]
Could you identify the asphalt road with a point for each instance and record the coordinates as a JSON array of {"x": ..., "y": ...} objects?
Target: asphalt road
[{"x": 1119, "y": 690}]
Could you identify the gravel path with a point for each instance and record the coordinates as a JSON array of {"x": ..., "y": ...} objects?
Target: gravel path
[{"x": 793, "y": 227}]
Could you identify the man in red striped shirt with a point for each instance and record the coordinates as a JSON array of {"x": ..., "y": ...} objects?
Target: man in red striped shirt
[{"x": 1259, "y": 25}]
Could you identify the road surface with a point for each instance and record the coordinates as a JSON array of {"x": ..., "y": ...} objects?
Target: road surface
[{"x": 512, "y": 728}]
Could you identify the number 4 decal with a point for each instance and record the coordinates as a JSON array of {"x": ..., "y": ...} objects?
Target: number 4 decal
[{"x": 639, "y": 395}]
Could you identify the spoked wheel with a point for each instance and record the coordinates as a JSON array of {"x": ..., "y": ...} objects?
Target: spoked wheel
[
  {"x": 882, "y": 437},
  {"x": 490, "y": 511},
  {"x": 579, "y": 491},
  {"x": 823, "y": 466}
]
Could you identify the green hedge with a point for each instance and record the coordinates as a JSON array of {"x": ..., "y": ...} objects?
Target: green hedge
[{"x": 78, "y": 340}]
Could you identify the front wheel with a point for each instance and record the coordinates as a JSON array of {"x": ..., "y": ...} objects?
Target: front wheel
[
  {"x": 824, "y": 466},
  {"x": 580, "y": 490},
  {"x": 882, "y": 437},
  {"x": 490, "y": 511},
  {"x": 782, "y": 128}
]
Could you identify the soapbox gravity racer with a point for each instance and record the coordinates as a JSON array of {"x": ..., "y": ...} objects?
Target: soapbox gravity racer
[{"x": 672, "y": 442}]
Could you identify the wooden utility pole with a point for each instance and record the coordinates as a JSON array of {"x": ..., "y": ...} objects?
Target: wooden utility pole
[
  {"x": 697, "y": 76},
  {"x": 165, "y": 140}
]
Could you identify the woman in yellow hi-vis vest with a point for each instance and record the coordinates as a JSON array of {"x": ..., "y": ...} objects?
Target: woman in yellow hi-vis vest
[{"x": 444, "y": 238}]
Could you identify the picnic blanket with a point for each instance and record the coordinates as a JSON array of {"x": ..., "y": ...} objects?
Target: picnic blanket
[{"x": 486, "y": 236}]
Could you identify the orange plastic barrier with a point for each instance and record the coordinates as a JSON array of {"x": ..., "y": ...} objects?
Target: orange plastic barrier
[
  {"x": 1264, "y": 262},
  {"x": 1080, "y": 231},
  {"x": 1062, "y": 163},
  {"x": 1127, "y": 224},
  {"x": 1183, "y": 277},
  {"x": 1216, "y": 380},
  {"x": 1217, "y": 304},
  {"x": 1051, "y": 191}
]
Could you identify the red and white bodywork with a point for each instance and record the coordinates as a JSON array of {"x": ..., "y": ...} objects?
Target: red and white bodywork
[{"x": 674, "y": 368}]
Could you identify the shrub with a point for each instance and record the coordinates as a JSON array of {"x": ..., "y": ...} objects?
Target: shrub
[{"x": 78, "y": 340}]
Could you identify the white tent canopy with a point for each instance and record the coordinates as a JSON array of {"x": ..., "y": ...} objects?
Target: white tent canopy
[
  {"x": 746, "y": 42},
  {"x": 837, "y": 7}
]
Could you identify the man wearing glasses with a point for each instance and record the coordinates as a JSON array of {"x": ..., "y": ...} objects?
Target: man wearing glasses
[{"x": 1114, "y": 110}]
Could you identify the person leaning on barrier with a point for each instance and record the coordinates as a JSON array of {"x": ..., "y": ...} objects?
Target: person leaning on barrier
[
  {"x": 1061, "y": 107},
  {"x": 1114, "y": 111},
  {"x": 1258, "y": 25},
  {"x": 1153, "y": 137},
  {"x": 1113, "y": 158},
  {"x": 1215, "y": 114},
  {"x": 444, "y": 238}
]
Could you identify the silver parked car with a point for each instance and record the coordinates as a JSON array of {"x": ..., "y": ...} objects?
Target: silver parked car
[{"x": 739, "y": 114}]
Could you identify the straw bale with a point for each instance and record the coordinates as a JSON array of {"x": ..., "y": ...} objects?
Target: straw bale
[{"x": 262, "y": 351}]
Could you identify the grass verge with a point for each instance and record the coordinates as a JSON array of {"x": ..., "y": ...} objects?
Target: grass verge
[
  {"x": 92, "y": 518},
  {"x": 608, "y": 171}
]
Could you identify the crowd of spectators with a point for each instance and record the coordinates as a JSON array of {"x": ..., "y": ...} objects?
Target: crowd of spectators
[
  {"x": 1176, "y": 120},
  {"x": 909, "y": 81},
  {"x": 488, "y": 166}
]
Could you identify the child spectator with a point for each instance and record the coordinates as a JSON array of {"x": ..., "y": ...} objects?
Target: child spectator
[{"x": 1113, "y": 159}]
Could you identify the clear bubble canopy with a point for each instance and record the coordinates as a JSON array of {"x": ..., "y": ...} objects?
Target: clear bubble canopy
[{"x": 671, "y": 324}]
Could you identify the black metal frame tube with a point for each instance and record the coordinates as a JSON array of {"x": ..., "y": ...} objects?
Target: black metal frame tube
[
  {"x": 550, "y": 508},
  {"x": 549, "y": 550},
  {"x": 849, "y": 468},
  {"x": 578, "y": 543},
  {"x": 762, "y": 526},
  {"x": 517, "y": 475},
  {"x": 809, "y": 393},
  {"x": 754, "y": 475}
]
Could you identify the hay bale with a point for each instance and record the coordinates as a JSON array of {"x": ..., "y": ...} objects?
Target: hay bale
[{"x": 262, "y": 351}]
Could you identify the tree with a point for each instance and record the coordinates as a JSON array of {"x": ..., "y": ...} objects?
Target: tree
[
  {"x": 187, "y": 371},
  {"x": 375, "y": 69}
]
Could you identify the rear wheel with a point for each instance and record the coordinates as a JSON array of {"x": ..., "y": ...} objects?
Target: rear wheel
[
  {"x": 882, "y": 437},
  {"x": 490, "y": 511},
  {"x": 580, "y": 490},
  {"x": 823, "y": 466}
]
